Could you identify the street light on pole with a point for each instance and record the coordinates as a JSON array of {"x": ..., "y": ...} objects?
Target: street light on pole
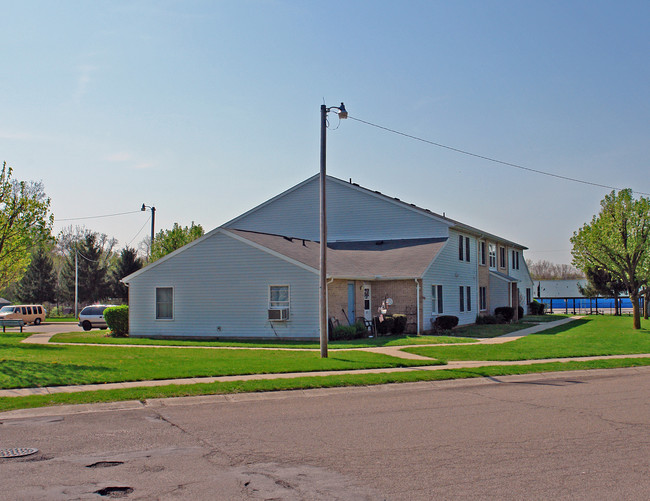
[
  {"x": 153, "y": 222},
  {"x": 322, "y": 302}
]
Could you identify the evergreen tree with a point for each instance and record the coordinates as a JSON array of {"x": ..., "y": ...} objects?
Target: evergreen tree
[
  {"x": 92, "y": 270},
  {"x": 38, "y": 285},
  {"x": 127, "y": 263}
]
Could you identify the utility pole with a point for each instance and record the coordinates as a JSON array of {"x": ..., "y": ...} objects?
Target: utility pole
[
  {"x": 322, "y": 301},
  {"x": 153, "y": 223}
]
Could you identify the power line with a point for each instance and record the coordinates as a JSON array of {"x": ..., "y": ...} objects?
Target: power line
[
  {"x": 516, "y": 166},
  {"x": 139, "y": 231},
  {"x": 97, "y": 217}
]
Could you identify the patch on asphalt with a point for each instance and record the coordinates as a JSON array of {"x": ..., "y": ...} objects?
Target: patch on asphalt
[{"x": 299, "y": 482}]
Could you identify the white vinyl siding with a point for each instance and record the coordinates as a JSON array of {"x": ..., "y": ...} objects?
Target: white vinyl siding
[
  {"x": 221, "y": 288},
  {"x": 499, "y": 293},
  {"x": 449, "y": 272},
  {"x": 296, "y": 214}
]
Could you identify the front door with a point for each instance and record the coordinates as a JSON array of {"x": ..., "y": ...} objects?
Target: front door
[
  {"x": 367, "y": 313},
  {"x": 352, "y": 315}
]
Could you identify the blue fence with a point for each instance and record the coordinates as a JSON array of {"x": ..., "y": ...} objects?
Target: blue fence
[{"x": 584, "y": 304}]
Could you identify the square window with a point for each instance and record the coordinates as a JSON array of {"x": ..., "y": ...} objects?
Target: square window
[{"x": 278, "y": 297}]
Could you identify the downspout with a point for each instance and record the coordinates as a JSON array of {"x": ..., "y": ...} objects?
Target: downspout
[{"x": 417, "y": 299}]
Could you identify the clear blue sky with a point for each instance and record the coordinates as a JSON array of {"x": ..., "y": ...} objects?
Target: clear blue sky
[{"x": 207, "y": 108}]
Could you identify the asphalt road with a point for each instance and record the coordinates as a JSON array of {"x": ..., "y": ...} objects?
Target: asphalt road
[{"x": 571, "y": 435}]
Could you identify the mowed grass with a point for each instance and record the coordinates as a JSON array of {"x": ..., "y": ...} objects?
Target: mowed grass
[
  {"x": 101, "y": 337},
  {"x": 590, "y": 336},
  {"x": 25, "y": 365},
  {"x": 304, "y": 383}
]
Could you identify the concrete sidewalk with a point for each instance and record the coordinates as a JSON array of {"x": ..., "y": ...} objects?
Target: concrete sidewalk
[{"x": 395, "y": 351}]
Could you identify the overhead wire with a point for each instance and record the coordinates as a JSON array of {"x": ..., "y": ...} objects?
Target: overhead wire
[
  {"x": 490, "y": 159},
  {"x": 139, "y": 231},
  {"x": 96, "y": 217}
]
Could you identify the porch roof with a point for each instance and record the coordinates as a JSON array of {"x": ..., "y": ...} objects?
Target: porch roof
[{"x": 376, "y": 259}]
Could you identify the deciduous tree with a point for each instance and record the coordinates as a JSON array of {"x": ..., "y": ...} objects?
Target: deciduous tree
[
  {"x": 617, "y": 240},
  {"x": 24, "y": 223},
  {"x": 167, "y": 241}
]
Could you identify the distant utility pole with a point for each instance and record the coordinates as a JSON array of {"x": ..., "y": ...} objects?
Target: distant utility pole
[{"x": 153, "y": 223}]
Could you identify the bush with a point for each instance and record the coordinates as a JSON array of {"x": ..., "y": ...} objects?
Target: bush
[
  {"x": 445, "y": 322},
  {"x": 117, "y": 319},
  {"x": 399, "y": 324},
  {"x": 346, "y": 332},
  {"x": 488, "y": 320},
  {"x": 537, "y": 308},
  {"x": 520, "y": 312},
  {"x": 505, "y": 312}
]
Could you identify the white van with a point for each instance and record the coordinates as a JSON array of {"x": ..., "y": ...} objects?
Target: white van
[{"x": 28, "y": 313}]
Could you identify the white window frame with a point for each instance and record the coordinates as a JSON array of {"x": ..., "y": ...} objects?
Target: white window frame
[
  {"x": 492, "y": 253},
  {"x": 285, "y": 305},
  {"x": 482, "y": 298},
  {"x": 436, "y": 299},
  {"x": 163, "y": 319}
]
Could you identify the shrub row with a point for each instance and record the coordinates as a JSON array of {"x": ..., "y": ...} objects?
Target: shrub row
[
  {"x": 444, "y": 323},
  {"x": 392, "y": 324},
  {"x": 537, "y": 308},
  {"x": 346, "y": 332}
]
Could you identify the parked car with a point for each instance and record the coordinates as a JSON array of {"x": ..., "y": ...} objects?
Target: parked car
[
  {"x": 93, "y": 317},
  {"x": 28, "y": 313}
]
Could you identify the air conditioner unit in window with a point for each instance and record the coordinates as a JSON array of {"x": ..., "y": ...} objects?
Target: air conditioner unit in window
[{"x": 278, "y": 314}]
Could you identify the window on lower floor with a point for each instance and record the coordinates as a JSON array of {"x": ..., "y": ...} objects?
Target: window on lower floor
[
  {"x": 436, "y": 299},
  {"x": 468, "y": 296},
  {"x": 278, "y": 297},
  {"x": 461, "y": 291},
  {"x": 482, "y": 298},
  {"x": 164, "y": 303}
]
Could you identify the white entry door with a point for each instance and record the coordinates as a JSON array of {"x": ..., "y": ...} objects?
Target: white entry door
[{"x": 367, "y": 313}]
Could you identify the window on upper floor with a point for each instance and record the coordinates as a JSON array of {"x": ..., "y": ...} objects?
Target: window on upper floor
[
  {"x": 481, "y": 247},
  {"x": 461, "y": 253},
  {"x": 467, "y": 249},
  {"x": 493, "y": 256},
  {"x": 502, "y": 257}
]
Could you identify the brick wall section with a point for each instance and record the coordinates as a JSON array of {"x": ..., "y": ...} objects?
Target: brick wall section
[
  {"x": 337, "y": 301},
  {"x": 402, "y": 292},
  {"x": 484, "y": 281}
]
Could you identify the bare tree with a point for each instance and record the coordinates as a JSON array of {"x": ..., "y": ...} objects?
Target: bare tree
[{"x": 545, "y": 270}]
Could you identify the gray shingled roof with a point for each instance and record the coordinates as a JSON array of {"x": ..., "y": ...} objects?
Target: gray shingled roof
[{"x": 386, "y": 259}]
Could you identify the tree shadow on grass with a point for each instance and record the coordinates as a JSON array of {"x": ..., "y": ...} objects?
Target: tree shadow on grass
[
  {"x": 24, "y": 374},
  {"x": 564, "y": 327}
]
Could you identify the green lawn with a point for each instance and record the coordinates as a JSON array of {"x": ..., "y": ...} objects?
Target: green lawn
[
  {"x": 300, "y": 383},
  {"x": 590, "y": 336},
  {"x": 100, "y": 337},
  {"x": 24, "y": 365}
]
